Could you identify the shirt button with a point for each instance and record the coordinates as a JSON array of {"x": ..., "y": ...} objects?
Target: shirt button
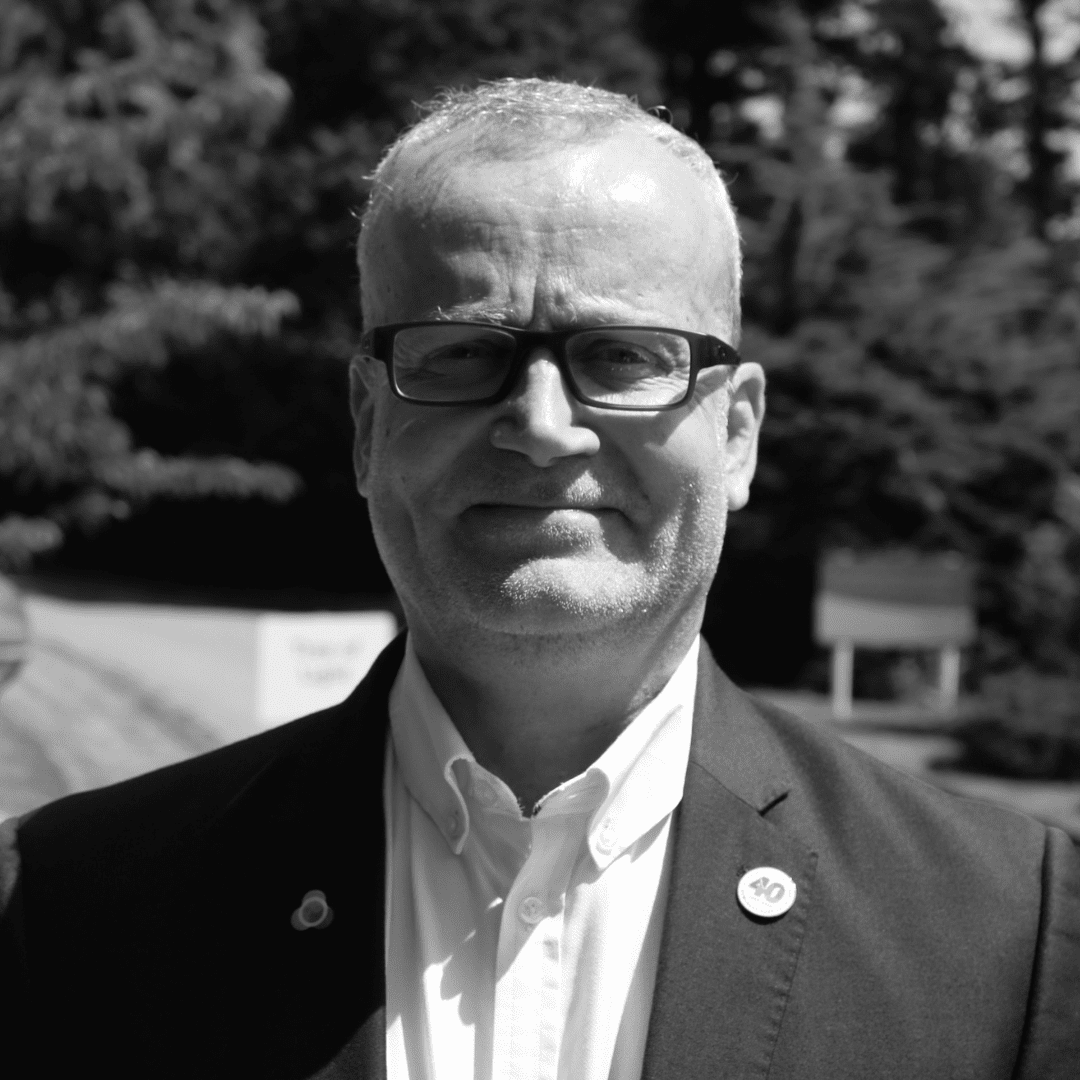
[
  {"x": 485, "y": 794},
  {"x": 531, "y": 910},
  {"x": 606, "y": 837}
]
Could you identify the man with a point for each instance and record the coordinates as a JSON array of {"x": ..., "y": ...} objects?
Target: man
[{"x": 545, "y": 837}]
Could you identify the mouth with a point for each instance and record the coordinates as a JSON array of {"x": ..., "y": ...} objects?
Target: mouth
[
  {"x": 548, "y": 522},
  {"x": 527, "y": 528},
  {"x": 544, "y": 507},
  {"x": 542, "y": 516}
]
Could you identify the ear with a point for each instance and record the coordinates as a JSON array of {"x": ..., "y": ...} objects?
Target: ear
[
  {"x": 362, "y": 392},
  {"x": 745, "y": 412}
]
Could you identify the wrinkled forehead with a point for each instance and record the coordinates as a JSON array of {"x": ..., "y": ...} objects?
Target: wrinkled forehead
[{"x": 624, "y": 219}]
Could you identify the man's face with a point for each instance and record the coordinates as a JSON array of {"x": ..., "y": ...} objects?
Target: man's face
[{"x": 541, "y": 515}]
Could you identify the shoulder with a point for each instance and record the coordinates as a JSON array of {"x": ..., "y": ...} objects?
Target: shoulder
[
  {"x": 986, "y": 898},
  {"x": 840, "y": 787},
  {"x": 172, "y": 811},
  {"x": 910, "y": 856},
  {"x": 121, "y": 900},
  {"x": 170, "y": 802},
  {"x": 853, "y": 809}
]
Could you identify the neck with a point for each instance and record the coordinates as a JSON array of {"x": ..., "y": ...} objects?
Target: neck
[{"x": 537, "y": 711}]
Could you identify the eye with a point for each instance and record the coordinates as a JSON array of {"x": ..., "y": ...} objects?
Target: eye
[
  {"x": 450, "y": 362},
  {"x": 626, "y": 358},
  {"x": 464, "y": 350},
  {"x": 617, "y": 352}
]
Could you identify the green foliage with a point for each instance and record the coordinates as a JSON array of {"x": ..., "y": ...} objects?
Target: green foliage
[
  {"x": 65, "y": 455},
  {"x": 1024, "y": 725},
  {"x": 126, "y": 139},
  {"x": 920, "y": 341},
  {"x": 940, "y": 412}
]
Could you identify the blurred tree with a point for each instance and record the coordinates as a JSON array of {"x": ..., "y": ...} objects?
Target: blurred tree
[
  {"x": 178, "y": 178},
  {"x": 907, "y": 64},
  {"x": 1049, "y": 110},
  {"x": 125, "y": 139},
  {"x": 924, "y": 383}
]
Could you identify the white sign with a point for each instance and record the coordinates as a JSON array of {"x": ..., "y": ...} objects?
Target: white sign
[
  {"x": 309, "y": 662},
  {"x": 886, "y": 625}
]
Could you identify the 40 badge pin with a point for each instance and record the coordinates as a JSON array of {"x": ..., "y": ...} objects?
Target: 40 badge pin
[{"x": 766, "y": 892}]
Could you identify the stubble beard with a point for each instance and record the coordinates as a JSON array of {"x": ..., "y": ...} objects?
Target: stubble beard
[{"x": 575, "y": 601}]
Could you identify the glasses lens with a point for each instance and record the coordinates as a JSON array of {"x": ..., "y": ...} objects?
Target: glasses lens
[
  {"x": 452, "y": 362},
  {"x": 644, "y": 369}
]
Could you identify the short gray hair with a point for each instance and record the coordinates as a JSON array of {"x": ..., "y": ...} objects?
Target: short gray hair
[{"x": 510, "y": 118}]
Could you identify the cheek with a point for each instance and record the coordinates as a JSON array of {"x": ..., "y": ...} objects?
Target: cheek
[
  {"x": 412, "y": 456},
  {"x": 400, "y": 484},
  {"x": 685, "y": 481},
  {"x": 684, "y": 474},
  {"x": 391, "y": 465}
]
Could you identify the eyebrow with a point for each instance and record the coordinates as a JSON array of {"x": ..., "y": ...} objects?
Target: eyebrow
[
  {"x": 471, "y": 313},
  {"x": 580, "y": 315}
]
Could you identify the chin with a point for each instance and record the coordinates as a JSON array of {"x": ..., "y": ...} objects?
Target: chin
[{"x": 550, "y": 596}]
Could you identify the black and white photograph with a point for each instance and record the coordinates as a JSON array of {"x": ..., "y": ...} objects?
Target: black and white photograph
[{"x": 540, "y": 539}]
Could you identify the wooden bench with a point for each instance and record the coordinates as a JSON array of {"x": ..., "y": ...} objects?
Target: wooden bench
[{"x": 894, "y": 600}]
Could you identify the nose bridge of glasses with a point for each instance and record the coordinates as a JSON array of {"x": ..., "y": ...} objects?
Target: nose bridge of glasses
[{"x": 539, "y": 356}]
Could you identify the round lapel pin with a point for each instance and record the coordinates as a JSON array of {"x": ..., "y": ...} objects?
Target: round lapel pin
[
  {"x": 314, "y": 913},
  {"x": 766, "y": 892}
]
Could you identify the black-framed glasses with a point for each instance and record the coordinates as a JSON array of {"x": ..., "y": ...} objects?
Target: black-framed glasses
[{"x": 633, "y": 368}]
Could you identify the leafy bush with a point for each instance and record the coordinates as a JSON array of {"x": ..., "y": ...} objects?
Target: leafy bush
[{"x": 1025, "y": 725}]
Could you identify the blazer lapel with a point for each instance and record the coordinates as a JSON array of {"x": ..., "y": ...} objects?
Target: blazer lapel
[
  {"x": 363, "y": 1055},
  {"x": 724, "y": 975}
]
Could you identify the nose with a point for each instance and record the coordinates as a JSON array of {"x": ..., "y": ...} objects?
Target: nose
[{"x": 540, "y": 418}]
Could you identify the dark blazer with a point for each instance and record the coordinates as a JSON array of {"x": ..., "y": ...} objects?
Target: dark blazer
[{"x": 148, "y": 926}]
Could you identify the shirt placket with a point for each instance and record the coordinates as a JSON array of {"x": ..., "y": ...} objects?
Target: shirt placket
[{"x": 528, "y": 992}]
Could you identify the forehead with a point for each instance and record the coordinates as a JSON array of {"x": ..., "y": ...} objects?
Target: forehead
[{"x": 621, "y": 230}]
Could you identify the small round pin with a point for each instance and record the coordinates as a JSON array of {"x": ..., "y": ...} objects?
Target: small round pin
[
  {"x": 766, "y": 892},
  {"x": 314, "y": 913}
]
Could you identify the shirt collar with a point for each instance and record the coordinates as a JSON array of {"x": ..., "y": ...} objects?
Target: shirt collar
[
  {"x": 639, "y": 777},
  {"x": 645, "y": 767},
  {"x": 426, "y": 745}
]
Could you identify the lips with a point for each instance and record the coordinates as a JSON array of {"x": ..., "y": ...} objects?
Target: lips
[
  {"x": 588, "y": 498},
  {"x": 583, "y": 493},
  {"x": 508, "y": 530},
  {"x": 594, "y": 508}
]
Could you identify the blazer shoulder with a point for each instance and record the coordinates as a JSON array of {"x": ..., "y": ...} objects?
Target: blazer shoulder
[
  {"x": 835, "y": 773},
  {"x": 169, "y": 802},
  {"x": 830, "y": 792},
  {"x": 175, "y": 805},
  {"x": 986, "y": 890}
]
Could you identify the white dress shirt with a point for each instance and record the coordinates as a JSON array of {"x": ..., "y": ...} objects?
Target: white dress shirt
[{"x": 525, "y": 948}]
